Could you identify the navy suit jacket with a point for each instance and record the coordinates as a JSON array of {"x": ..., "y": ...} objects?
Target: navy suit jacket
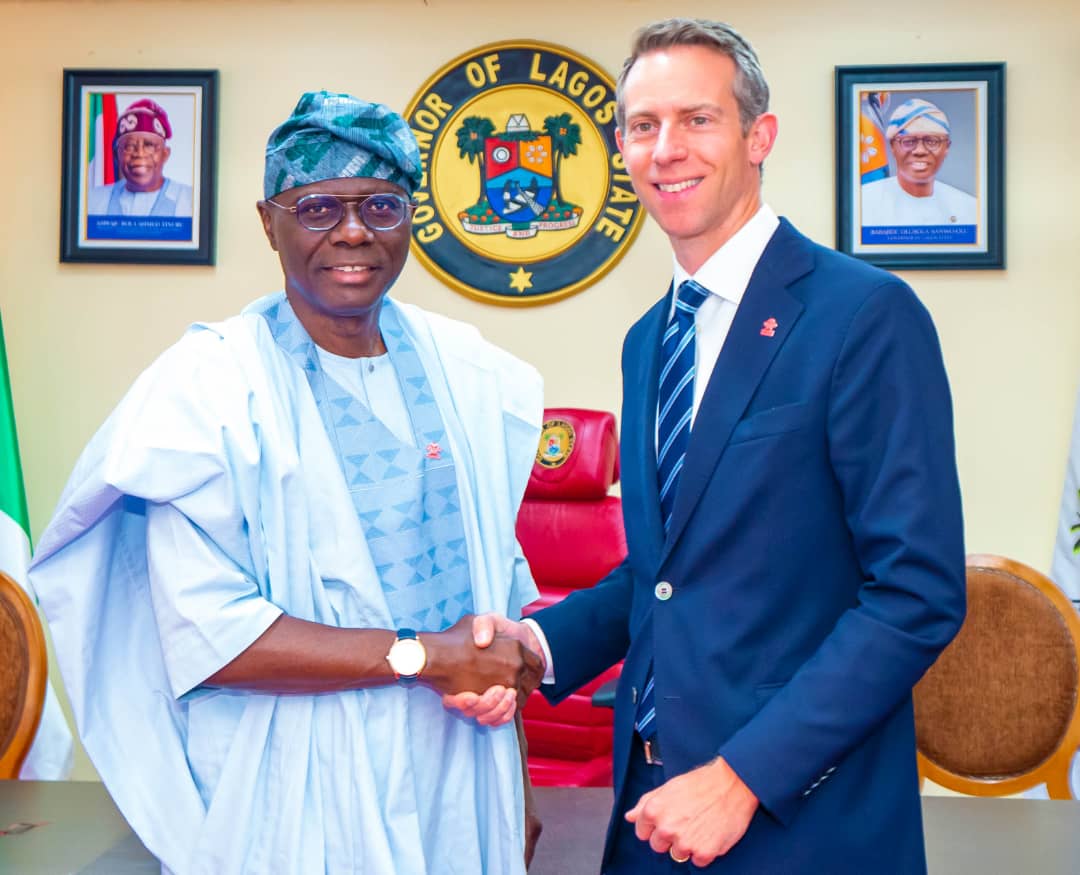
[{"x": 815, "y": 556}]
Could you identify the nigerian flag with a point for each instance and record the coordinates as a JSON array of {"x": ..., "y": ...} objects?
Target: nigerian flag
[
  {"x": 14, "y": 521},
  {"x": 50, "y": 755},
  {"x": 101, "y": 125}
]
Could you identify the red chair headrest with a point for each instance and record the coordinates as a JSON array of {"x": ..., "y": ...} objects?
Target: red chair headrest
[{"x": 578, "y": 457}]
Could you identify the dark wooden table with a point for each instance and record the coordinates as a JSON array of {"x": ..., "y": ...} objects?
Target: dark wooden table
[{"x": 81, "y": 831}]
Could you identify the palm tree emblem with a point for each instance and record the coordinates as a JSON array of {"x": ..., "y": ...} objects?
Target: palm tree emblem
[
  {"x": 565, "y": 138},
  {"x": 471, "y": 137}
]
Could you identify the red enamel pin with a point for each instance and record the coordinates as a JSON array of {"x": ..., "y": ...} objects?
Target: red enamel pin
[{"x": 768, "y": 327}]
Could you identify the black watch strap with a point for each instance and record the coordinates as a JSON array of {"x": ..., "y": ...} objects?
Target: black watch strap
[{"x": 407, "y": 634}]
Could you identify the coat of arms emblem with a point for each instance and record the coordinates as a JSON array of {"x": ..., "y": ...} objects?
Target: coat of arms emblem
[
  {"x": 519, "y": 194},
  {"x": 525, "y": 197},
  {"x": 556, "y": 443}
]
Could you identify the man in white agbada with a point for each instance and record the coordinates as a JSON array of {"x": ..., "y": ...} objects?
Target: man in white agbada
[
  {"x": 274, "y": 497},
  {"x": 918, "y": 134}
]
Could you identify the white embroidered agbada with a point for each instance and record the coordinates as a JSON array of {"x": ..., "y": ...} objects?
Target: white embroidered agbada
[{"x": 224, "y": 429}]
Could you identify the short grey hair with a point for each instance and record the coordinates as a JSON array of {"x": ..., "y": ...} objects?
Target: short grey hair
[{"x": 751, "y": 89}]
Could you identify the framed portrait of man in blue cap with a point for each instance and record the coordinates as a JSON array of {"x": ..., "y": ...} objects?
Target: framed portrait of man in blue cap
[
  {"x": 920, "y": 165},
  {"x": 138, "y": 166}
]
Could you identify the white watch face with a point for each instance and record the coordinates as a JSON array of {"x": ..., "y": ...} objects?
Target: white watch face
[{"x": 407, "y": 657}]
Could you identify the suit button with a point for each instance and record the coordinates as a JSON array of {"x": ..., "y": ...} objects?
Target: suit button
[
  {"x": 633, "y": 695},
  {"x": 663, "y": 590}
]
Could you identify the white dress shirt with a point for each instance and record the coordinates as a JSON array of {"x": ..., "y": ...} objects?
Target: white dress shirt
[
  {"x": 373, "y": 381},
  {"x": 726, "y": 274}
]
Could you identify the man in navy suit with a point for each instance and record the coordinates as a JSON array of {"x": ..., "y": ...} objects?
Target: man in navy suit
[{"x": 810, "y": 565}]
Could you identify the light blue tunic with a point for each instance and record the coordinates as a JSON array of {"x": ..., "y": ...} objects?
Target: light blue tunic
[
  {"x": 223, "y": 436},
  {"x": 171, "y": 200},
  {"x": 405, "y": 494}
]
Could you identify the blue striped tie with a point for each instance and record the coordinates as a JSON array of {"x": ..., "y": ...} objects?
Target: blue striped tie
[
  {"x": 676, "y": 396},
  {"x": 675, "y": 403}
]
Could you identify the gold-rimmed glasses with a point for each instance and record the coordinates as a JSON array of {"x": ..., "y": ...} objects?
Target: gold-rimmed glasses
[
  {"x": 129, "y": 145},
  {"x": 383, "y": 211},
  {"x": 931, "y": 143}
]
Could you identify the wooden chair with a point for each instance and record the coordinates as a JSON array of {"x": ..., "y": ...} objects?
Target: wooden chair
[
  {"x": 999, "y": 713},
  {"x": 23, "y": 673}
]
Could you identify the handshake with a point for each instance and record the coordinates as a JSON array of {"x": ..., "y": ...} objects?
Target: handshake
[{"x": 484, "y": 666}]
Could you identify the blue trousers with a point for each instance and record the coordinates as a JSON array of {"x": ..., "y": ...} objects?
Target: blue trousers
[{"x": 630, "y": 855}]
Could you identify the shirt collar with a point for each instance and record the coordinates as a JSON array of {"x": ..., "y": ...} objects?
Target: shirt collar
[{"x": 727, "y": 271}]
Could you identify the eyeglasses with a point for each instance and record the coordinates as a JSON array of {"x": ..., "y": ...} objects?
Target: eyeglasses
[
  {"x": 932, "y": 143},
  {"x": 323, "y": 212},
  {"x": 130, "y": 146}
]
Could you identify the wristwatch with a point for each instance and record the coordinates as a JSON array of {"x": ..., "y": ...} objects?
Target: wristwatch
[{"x": 407, "y": 657}]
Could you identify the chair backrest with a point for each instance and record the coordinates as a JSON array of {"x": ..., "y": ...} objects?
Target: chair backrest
[
  {"x": 570, "y": 529},
  {"x": 571, "y": 532},
  {"x": 23, "y": 673},
  {"x": 999, "y": 713}
]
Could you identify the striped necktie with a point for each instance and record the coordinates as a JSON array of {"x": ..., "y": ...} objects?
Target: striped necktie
[
  {"x": 676, "y": 395},
  {"x": 675, "y": 403}
]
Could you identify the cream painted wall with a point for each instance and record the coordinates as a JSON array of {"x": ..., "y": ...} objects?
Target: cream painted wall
[{"x": 77, "y": 335}]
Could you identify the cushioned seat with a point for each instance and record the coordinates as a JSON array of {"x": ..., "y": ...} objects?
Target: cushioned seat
[
  {"x": 998, "y": 713},
  {"x": 571, "y": 531},
  {"x": 23, "y": 672}
]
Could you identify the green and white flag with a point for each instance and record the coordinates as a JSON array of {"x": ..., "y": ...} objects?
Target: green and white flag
[
  {"x": 50, "y": 756},
  {"x": 1065, "y": 568}
]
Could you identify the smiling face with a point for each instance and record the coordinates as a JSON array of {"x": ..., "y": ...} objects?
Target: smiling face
[
  {"x": 142, "y": 160},
  {"x": 335, "y": 280},
  {"x": 917, "y": 166},
  {"x": 694, "y": 170}
]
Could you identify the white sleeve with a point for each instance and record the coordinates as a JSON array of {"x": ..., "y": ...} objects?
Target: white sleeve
[
  {"x": 549, "y": 671},
  {"x": 209, "y": 609}
]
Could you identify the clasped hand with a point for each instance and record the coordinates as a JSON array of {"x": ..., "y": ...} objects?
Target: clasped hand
[
  {"x": 496, "y": 703},
  {"x": 699, "y": 815},
  {"x": 483, "y": 670}
]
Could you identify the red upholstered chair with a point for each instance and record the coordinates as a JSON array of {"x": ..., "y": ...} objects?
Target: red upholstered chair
[{"x": 571, "y": 531}]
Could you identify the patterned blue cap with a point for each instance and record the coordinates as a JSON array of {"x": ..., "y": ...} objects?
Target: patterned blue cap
[
  {"x": 917, "y": 116},
  {"x": 336, "y": 136}
]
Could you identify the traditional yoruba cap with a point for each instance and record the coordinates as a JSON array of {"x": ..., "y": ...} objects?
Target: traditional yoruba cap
[
  {"x": 336, "y": 136},
  {"x": 143, "y": 116},
  {"x": 917, "y": 116}
]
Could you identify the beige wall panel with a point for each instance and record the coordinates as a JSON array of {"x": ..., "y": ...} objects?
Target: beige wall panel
[{"x": 78, "y": 334}]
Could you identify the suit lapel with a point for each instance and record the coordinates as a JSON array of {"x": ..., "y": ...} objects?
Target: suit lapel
[
  {"x": 743, "y": 361},
  {"x": 641, "y": 493}
]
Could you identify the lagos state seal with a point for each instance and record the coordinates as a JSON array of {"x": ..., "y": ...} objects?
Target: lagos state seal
[
  {"x": 556, "y": 443},
  {"x": 525, "y": 198}
]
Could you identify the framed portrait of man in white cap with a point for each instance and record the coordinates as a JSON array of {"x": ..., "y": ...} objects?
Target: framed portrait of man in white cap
[
  {"x": 920, "y": 165},
  {"x": 138, "y": 166}
]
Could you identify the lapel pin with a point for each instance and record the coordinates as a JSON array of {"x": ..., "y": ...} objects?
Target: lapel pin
[
  {"x": 768, "y": 327},
  {"x": 433, "y": 451}
]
